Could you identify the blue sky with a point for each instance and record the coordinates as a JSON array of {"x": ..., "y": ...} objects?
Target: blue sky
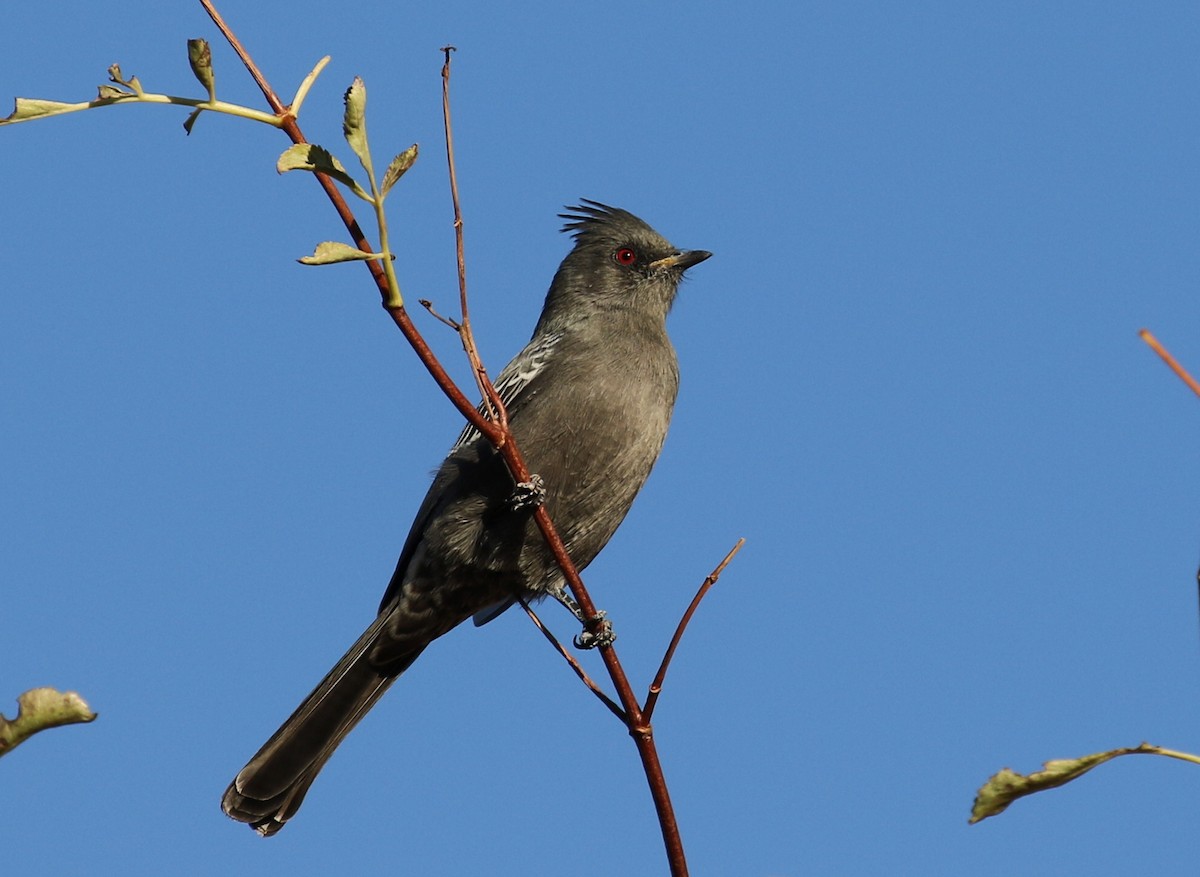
[{"x": 911, "y": 379}]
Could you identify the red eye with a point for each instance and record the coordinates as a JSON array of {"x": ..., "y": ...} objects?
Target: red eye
[{"x": 625, "y": 256}]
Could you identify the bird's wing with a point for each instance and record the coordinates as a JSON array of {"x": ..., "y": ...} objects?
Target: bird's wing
[
  {"x": 516, "y": 384},
  {"x": 517, "y": 377}
]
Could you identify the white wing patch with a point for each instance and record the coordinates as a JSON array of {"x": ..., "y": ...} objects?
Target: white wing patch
[{"x": 517, "y": 375}]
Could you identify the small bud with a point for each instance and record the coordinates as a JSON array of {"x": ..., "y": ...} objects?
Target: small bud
[{"x": 200, "y": 59}]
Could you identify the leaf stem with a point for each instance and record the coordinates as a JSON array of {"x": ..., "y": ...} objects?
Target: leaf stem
[
  {"x": 27, "y": 110},
  {"x": 309, "y": 80}
]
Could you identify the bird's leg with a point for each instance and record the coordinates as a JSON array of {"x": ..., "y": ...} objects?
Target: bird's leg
[
  {"x": 598, "y": 630},
  {"x": 603, "y": 635},
  {"x": 559, "y": 593},
  {"x": 528, "y": 494}
]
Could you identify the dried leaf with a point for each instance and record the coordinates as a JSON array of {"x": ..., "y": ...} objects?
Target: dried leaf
[{"x": 111, "y": 92}]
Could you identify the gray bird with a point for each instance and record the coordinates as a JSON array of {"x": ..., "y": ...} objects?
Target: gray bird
[{"x": 589, "y": 400}]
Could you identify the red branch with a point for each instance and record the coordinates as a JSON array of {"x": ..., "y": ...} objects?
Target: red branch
[
  {"x": 705, "y": 587},
  {"x": 574, "y": 665},
  {"x": 1171, "y": 361}
]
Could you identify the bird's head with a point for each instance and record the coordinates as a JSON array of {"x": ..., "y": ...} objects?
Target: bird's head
[{"x": 619, "y": 265}]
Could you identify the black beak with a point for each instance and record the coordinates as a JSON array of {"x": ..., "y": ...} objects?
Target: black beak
[{"x": 682, "y": 260}]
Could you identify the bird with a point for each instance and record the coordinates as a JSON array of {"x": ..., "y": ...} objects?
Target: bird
[{"x": 588, "y": 400}]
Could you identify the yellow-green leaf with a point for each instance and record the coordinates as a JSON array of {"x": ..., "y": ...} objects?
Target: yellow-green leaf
[
  {"x": 31, "y": 108},
  {"x": 1007, "y": 786},
  {"x": 331, "y": 252},
  {"x": 396, "y": 169},
  {"x": 313, "y": 158},
  {"x": 39, "y": 709},
  {"x": 354, "y": 121}
]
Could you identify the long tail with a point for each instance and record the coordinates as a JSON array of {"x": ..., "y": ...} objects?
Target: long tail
[{"x": 270, "y": 788}]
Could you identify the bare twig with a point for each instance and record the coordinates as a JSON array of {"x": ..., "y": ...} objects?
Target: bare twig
[
  {"x": 705, "y": 587},
  {"x": 260, "y": 80},
  {"x": 491, "y": 399},
  {"x": 575, "y": 665},
  {"x": 428, "y": 305},
  {"x": 1170, "y": 361}
]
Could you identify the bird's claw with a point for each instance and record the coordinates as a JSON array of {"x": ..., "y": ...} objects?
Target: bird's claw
[
  {"x": 528, "y": 494},
  {"x": 602, "y": 636}
]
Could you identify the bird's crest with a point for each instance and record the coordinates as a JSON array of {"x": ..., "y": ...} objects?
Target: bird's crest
[{"x": 592, "y": 216}]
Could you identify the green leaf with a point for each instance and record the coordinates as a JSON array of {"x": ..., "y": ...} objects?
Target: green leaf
[
  {"x": 39, "y": 709},
  {"x": 26, "y": 109},
  {"x": 313, "y": 158},
  {"x": 1007, "y": 786},
  {"x": 396, "y": 169},
  {"x": 354, "y": 121},
  {"x": 200, "y": 59},
  {"x": 330, "y": 252}
]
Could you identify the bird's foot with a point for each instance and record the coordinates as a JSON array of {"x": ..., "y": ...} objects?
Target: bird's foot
[
  {"x": 528, "y": 494},
  {"x": 603, "y": 635}
]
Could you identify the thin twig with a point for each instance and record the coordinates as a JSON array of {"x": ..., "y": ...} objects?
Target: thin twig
[
  {"x": 1170, "y": 361},
  {"x": 705, "y": 587},
  {"x": 570, "y": 659},
  {"x": 428, "y": 305},
  {"x": 491, "y": 399},
  {"x": 458, "y": 222},
  {"x": 260, "y": 80}
]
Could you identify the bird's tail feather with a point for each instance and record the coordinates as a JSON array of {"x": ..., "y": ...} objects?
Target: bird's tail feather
[{"x": 270, "y": 788}]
